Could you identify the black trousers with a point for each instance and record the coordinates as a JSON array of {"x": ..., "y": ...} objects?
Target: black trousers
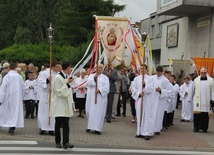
[
  {"x": 30, "y": 106},
  {"x": 132, "y": 104},
  {"x": 165, "y": 120},
  {"x": 124, "y": 99},
  {"x": 109, "y": 106},
  {"x": 64, "y": 122},
  {"x": 201, "y": 121},
  {"x": 170, "y": 118}
]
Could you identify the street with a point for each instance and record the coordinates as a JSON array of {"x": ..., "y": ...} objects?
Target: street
[
  {"x": 117, "y": 138},
  {"x": 34, "y": 148}
]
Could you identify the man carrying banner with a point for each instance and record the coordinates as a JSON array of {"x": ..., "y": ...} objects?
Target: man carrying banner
[{"x": 203, "y": 96}]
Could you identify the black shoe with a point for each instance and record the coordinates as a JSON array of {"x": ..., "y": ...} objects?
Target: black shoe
[
  {"x": 79, "y": 116},
  {"x": 146, "y": 137},
  {"x": 11, "y": 132},
  {"x": 118, "y": 115},
  {"x": 58, "y": 145},
  {"x": 182, "y": 120},
  {"x": 195, "y": 130},
  {"x": 51, "y": 133},
  {"x": 42, "y": 132},
  {"x": 87, "y": 130},
  {"x": 108, "y": 121},
  {"x": 138, "y": 136},
  {"x": 97, "y": 132},
  {"x": 205, "y": 131},
  {"x": 157, "y": 133},
  {"x": 32, "y": 117},
  {"x": 68, "y": 145},
  {"x": 165, "y": 128},
  {"x": 26, "y": 117},
  {"x": 124, "y": 115}
]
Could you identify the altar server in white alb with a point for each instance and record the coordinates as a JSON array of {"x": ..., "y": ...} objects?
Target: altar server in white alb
[
  {"x": 159, "y": 100},
  {"x": 44, "y": 81},
  {"x": 30, "y": 96},
  {"x": 187, "y": 105},
  {"x": 174, "y": 100},
  {"x": 11, "y": 100},
  {"x": 142, "y": 88},
  {"x": 203, "y": 94},
  {"x": 96, "y": 111}
]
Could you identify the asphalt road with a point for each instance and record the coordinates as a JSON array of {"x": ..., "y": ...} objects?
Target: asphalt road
[{"x": 47, "y": 148}]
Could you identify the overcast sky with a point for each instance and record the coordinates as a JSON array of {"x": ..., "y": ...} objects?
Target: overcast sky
[{"x": 136, "y": 10}]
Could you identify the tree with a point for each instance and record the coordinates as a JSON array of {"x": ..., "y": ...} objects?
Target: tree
[
  {"x": 26, "y": 21},
  {"x": 76, "y": 24}
]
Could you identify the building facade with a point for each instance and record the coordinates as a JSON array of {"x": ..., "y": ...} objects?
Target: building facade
[{"x": 181, "y": 29}]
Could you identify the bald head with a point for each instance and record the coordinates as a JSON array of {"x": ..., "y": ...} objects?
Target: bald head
[
  {"x": 99, "y": 68},
  {"x": 203, "y": 72}
]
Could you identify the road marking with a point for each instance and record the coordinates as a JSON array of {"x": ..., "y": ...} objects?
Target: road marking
[
  {"x": 102, "y": 150},
  {"x": 37, "y": 154},
  {"x": 4, "y": 142}
]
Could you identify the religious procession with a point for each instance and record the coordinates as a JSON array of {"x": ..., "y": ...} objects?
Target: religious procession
[{"x": 116, "y": 72}]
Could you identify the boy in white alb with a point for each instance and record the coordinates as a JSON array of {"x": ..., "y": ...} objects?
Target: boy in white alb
[{"x": 30, "y": 89}]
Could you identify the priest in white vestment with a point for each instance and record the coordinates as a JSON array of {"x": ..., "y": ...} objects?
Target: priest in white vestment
[
  {"x": 187, "y": 106},
  {"x": 11, "y": 100},
  {"x": 43, "y": 110},
  {"x": 96, "y": 111},
  {"x": 202, "y": 94},
  {"x": 142, "y": 88}
]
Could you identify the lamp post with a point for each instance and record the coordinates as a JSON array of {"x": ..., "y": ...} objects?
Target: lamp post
[
  {"x": 113, "y": 12},
  {"x": 50, "y": 40}
]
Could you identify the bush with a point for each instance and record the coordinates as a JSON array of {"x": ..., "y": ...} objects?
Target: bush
[{"x": 39, "y": 54}]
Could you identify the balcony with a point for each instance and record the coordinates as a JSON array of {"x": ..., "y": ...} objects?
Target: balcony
[{"x": 184, "y": 7}]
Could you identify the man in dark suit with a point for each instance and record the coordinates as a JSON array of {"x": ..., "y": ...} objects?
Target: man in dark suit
[{"x": 112, "y": 75}]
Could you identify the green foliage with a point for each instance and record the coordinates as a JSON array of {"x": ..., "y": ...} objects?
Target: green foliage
[
  {"x": 26, "y": 21},
  {"x": 39, "y": 54},
  {"x": 24, "y": 24}
]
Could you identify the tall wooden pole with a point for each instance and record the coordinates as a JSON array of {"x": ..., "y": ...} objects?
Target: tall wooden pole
[
  {"x": 50, "y": 37},
  {"x": 50, "y": 82},
  {"x": 97, "y": 53},
  {"x": 141, "y": 106},
  {"x": 97, "y": 58}
]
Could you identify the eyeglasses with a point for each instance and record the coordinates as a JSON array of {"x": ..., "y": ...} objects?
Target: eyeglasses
[{"x": 203, "y": 72}]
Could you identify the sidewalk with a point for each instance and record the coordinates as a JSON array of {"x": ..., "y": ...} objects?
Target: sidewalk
[{"x": 121, "y": 134}]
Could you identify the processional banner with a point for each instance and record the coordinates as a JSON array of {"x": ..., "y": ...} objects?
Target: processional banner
[
  {"x": 208, "y": 63},
  {"x": 111, "y": 32},
  {"x": 181, "y": 69}
]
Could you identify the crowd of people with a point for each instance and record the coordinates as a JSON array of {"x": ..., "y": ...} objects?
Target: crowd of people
[{"x": 52, "y": 95}]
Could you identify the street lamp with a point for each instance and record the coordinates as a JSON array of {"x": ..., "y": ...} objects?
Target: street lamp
[
  {"x": 50, "y": 39},
  {"x": 144, "y": 37},
  {"x": 50, "y": 34},
  {"x": 113, "y": 12}
]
